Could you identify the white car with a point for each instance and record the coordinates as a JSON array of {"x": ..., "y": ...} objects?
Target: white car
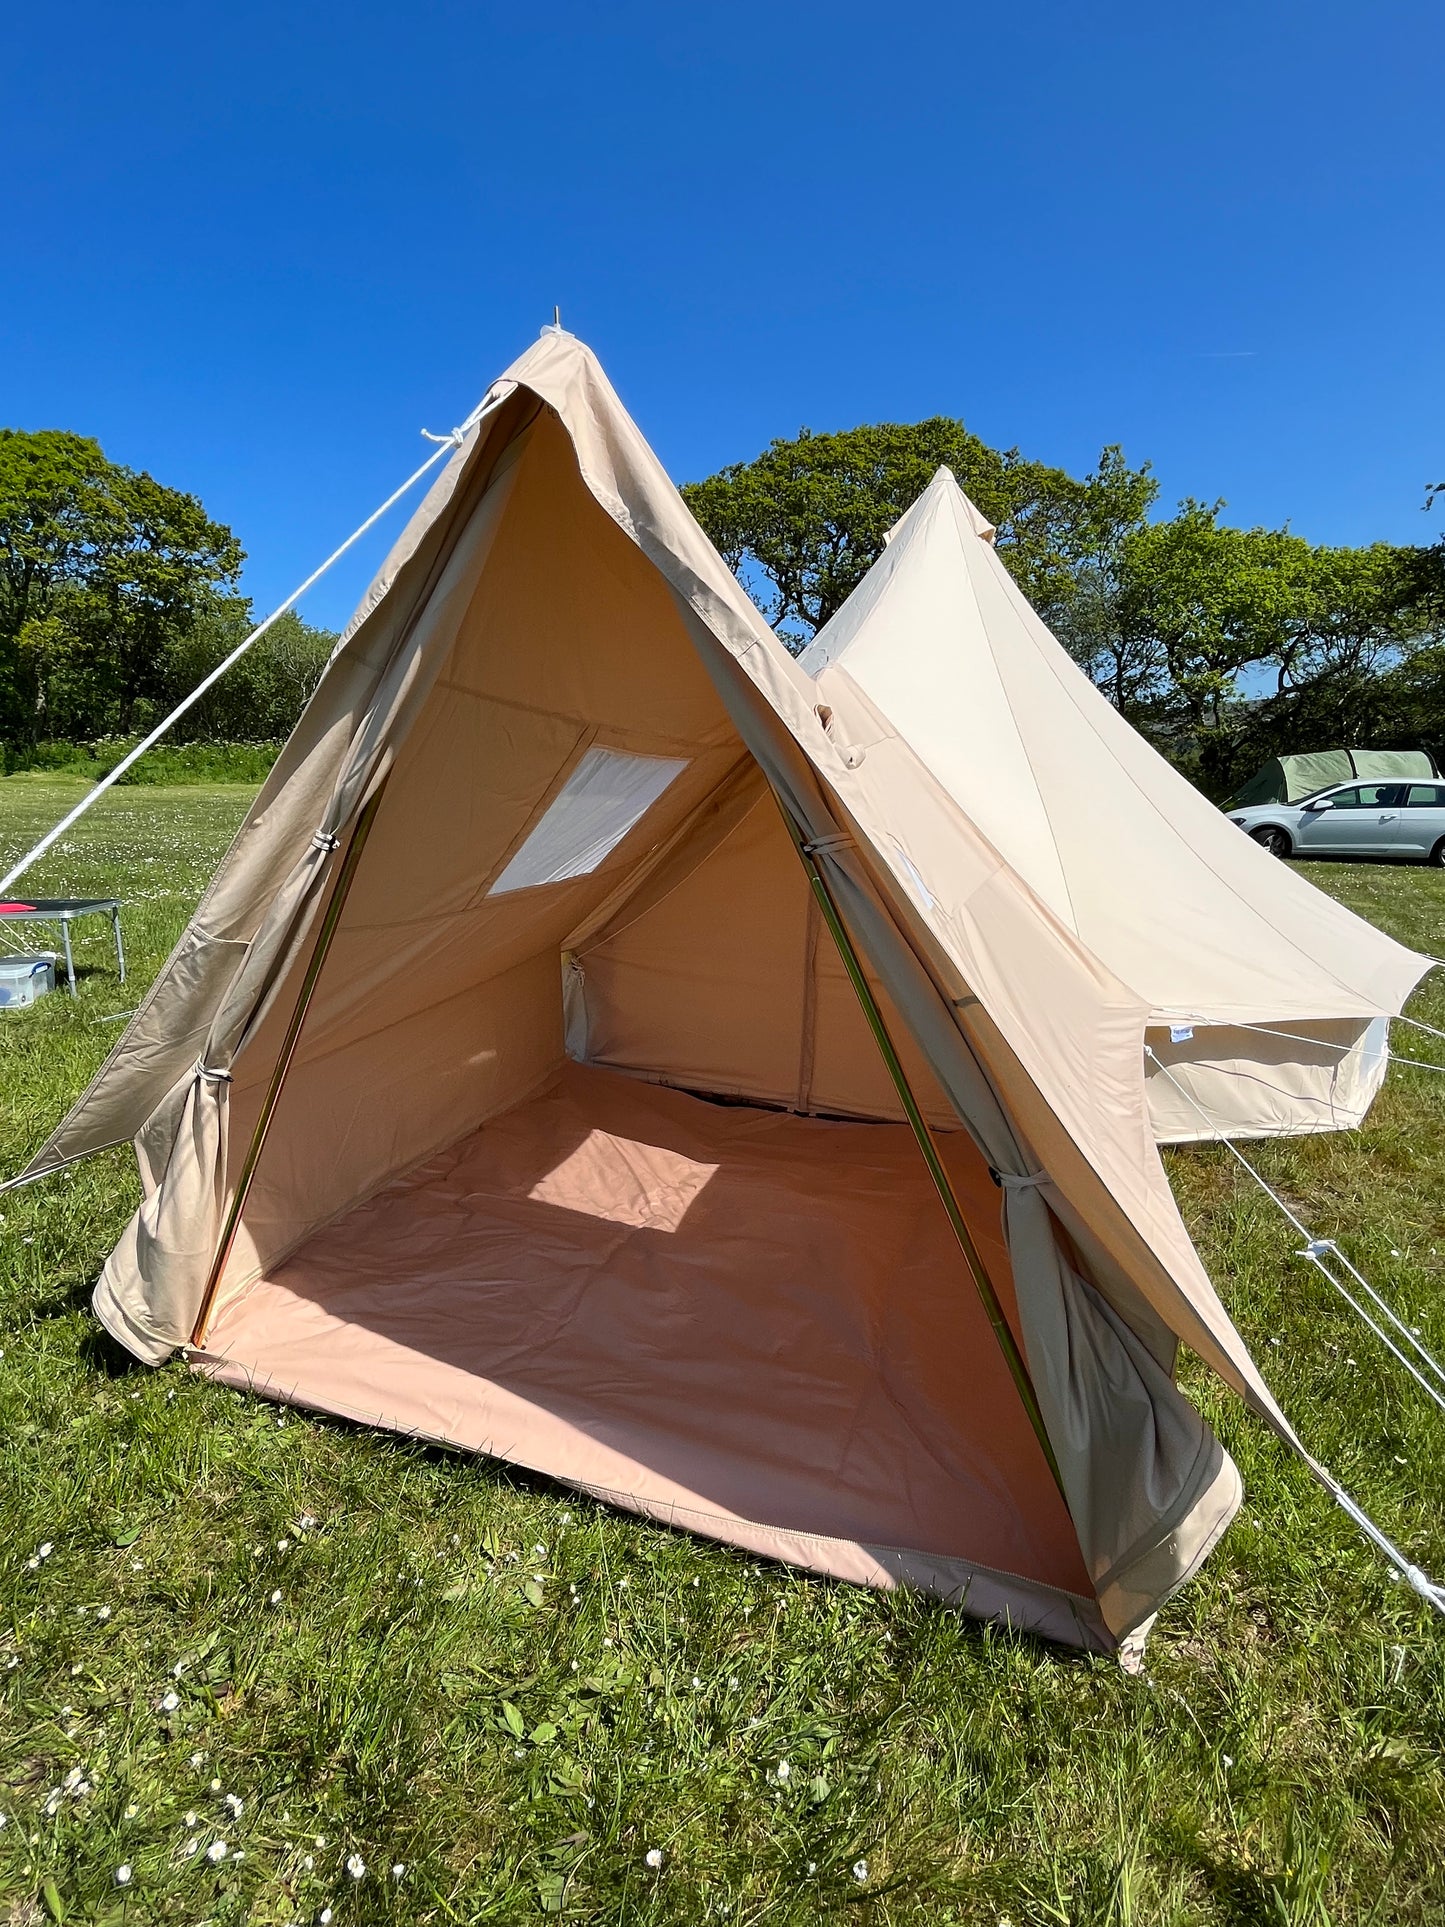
[{"x": 1405, "y": 819}]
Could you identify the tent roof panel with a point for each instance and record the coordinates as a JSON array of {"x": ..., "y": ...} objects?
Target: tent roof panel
[{"x": 1159, "y": 885}]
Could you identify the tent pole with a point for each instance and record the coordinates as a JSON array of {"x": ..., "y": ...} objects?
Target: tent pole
[
  {"x": 324, "y": 936},
  {"x": 927, "y": 1144}
]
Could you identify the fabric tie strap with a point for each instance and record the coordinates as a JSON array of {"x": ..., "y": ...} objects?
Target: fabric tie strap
[
  {"x": 1019, "y": 1180},
  {"x": 213, "y": 1076},
  {"x": 324, "y": 840}
]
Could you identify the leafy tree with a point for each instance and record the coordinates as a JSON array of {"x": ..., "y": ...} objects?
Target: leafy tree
[
  {"x": 259, "y": 699},
  {"x": 809, "y": 516},
  {"x": 1090, "y": 618},
  {"x": 1204, "y": 604},
  {"x": 102, "y": 570}
]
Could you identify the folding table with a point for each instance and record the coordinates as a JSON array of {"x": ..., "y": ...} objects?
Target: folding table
[{"x": 64, "y": 911}]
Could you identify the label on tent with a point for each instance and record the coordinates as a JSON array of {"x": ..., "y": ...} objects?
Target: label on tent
[{"x": 1180, "y": 1033}]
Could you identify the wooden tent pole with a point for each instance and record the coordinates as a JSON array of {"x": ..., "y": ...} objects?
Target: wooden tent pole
[
  {"x": 928, "y": 1145},
  {"x": 322, "y": 945}
]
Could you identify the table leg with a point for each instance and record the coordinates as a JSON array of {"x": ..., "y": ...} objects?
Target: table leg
[
  {"x": 69, "y": 959},
  {"x": 119, "y": 953}
]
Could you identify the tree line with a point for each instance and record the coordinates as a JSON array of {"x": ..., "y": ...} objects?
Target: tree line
[
  {"x": 1222, "y": 645},
  {"x": 117, "y": 596}
]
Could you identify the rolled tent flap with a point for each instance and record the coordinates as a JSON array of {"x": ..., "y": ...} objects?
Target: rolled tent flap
[
  {"x": 554, "y": 606},
  {"x": 1150, "y": 1488},
  {"x": 1211, "y": 1080}
]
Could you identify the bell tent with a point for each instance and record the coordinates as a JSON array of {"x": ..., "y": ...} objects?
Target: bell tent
[
  {"x": 1268, "y": 1002},
  {"x": 594, "y": 1052}
]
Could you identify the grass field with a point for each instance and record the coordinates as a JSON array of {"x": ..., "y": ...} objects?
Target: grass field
[{"x": 272, "y": 1665}]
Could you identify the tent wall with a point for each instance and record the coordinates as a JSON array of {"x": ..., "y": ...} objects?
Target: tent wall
[
  {"x": 1256, "y": 1083},
  {"x": 273, "y": 881},
  {"x": 440, "y": 1003},
  {"x": 728, "y": 982}
]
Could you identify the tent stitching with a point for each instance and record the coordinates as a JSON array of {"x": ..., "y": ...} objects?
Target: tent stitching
[{"x": 1018, "y": 727}]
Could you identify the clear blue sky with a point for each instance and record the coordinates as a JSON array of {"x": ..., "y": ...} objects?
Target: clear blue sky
[{"x": 255, "y": 248}]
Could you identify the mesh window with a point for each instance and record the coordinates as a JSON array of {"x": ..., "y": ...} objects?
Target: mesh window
[{"x": 605, "y": 796}]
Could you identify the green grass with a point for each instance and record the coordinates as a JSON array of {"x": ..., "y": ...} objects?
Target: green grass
[{"x": 413, "y": 1678}]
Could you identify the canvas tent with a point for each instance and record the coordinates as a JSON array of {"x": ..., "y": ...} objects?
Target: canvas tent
[
  {"x": 582, "y": 1150},
  {"x": 1268, "y": 1002},
  {"x": 1288, "y": 779}
]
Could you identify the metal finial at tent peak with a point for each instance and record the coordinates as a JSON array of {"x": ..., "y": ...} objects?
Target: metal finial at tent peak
[{"x": 554, "y": 326}]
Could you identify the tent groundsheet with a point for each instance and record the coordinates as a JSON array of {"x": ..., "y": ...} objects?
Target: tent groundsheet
[{"x": 752, "y": 1324}]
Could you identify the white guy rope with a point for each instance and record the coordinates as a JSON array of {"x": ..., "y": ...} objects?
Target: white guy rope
[
  {"x": 1415, "y": 1024},
  {"x": 1414, "y": 1576},
  {"x": 448, "y": 445},
  {"x": 1418, "y": 1580},
  {"x": 1315, "y": 1249}
]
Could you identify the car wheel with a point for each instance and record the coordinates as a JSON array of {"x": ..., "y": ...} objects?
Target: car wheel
[
  {"x": 1275, "y": 840},
  {"x": 1437, "y": 855}
]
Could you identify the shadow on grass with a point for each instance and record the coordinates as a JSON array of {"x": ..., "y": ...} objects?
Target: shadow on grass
[{"x": 98, "y": 1351}]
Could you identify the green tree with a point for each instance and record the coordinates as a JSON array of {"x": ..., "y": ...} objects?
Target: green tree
[
  {"x": 259, "y": 699},
  {"x": 1213, "y": 608},
  {"x": 808, "y": 517},
  {"x": 102, "y": 570}
]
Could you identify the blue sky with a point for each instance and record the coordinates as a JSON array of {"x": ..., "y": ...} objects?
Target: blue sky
[{"x": 255, "y": 249}]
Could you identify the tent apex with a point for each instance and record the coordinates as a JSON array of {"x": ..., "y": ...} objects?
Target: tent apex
[{"x": 945, "y": 486}]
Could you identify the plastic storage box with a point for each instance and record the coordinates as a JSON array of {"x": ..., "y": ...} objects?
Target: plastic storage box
[{"x": 23, "y": 979}]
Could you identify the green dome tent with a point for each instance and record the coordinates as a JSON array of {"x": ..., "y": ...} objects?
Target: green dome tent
[{"x": 1287, "y": 779}]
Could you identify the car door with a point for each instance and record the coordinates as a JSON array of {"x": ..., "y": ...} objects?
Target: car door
[
  {"x": 1422, "y": 818},
  {"x": 1363, "y": 821},
  {"x": 1324, "y": 829}
]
